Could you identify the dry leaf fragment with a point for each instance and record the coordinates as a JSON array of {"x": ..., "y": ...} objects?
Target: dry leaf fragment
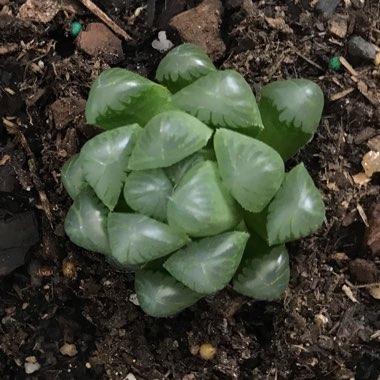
[
  {"x": 361, "y": 179},
  {"x": 348, "y": 292}
]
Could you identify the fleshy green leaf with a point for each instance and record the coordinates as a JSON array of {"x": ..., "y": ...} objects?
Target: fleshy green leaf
[
  {"x": 105, "y": 160},
  {"x": 119, "y": 97},
  {"x": 137, "y": 239},
  {"x": 168, "y": 138},
  {"x": 86, "y": 222},
  {"x": 160, "y": 295},
  {"x": 296, "y": 211},
  {"x": 264, "y": 271},
  {"x": 73, "y": 177},
  {"x": 148, "y": 191},
  {"x": 291, "y": 111},
  {"x": 250, "y": 169},
  {"x": 221, "y": 99},
  {"x": 208, "y": 265},
  {"x": 182, "y": 66},
  {"x": 201, "y": 205},
  {"x": 178, "y": 170}
]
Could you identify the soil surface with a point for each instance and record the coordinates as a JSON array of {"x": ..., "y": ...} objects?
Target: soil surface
[{"x": 66, "y": 314}]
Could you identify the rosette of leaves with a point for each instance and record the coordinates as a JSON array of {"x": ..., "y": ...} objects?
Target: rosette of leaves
[{"x": 187, "y": 187}]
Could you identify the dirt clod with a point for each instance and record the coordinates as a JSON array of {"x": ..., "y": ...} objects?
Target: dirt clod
[
  {"x": 363, "y": 271},
  {"x": 201, "y": 26},
  {"x": 66, "y": 110},
  {"x": 373, "y": 234},
  {"x": 97, "y": 40}
]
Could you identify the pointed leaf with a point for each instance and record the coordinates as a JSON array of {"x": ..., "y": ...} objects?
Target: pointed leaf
[
  {"x": 291, "y": 111},
  {"x": 178, "y": 170},
  {"x": 264, "y": 272},
  {"x": 168, "y": 138},
  {"x": 147, "y": 192},
  {"x": 119, "y": 97},
  {"x": 221, "y": 99},
  {"x": 73, "y": 177},
  {"x": 208, "y": 265},
  {"x": 105, "y": 161},
  {"x": 86, "y": 222},
  {"x": 182, "y": 66},
  {"x": 137, "y": 239},
  {"x": 296, "y": 211},
  {"x": 160, "y": 295},
  {"x": 201, "y": 205},
  {"x": 251, "y": 170}
]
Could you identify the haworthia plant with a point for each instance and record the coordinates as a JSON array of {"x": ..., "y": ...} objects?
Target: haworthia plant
[{"x": 187, "y": 176}]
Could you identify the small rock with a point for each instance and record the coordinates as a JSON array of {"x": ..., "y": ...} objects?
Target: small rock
[
  {"x": 31, "y": 365},
  {"x": 373, "y": 234},
  {"x": 360, "y": 50},
  {"x": 68, "y": 350},
  {"x": 65, "y": 110},
  {"x": 201, "y": 26},
  {"x": 130, "y": 376},
  {"x": 98, "y": 41},
  {"x": 338, "y": 26},
  {"x": 363, "y": 271},
  {"x": 327, "y": 7}
]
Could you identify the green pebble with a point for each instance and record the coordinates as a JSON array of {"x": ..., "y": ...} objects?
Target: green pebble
[
  {"x": 75, "y": 29},
  {"x": 335, "y": 64}
]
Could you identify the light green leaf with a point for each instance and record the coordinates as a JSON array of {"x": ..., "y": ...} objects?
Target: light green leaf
[
  {"x": 178, "y": 170},
  {"x": 296, "y": 211},
  {"x": 119, "y": 97},
  {"x": 182, "y": 66},
  {"x": 105, "y": 160},
  {"x": 291, "y": 111},
  {"x": 250, "y": 169},
  {"x": 73, "y": 177},
  {"x": 208, "y": 265},
  {"x": 160, "y": 295},
  {"x": 201, "y": 205},
  {"x": 137, "y": 239},
  {"x": 168, "y": 138},
  {"x": 86, "y": 222},
  {"x": 264, "y": 271},
  {"x": 221, "y": 99},
  {"x": 147, "y": 192}
]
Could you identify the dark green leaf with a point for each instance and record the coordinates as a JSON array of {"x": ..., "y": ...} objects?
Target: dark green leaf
[
  {"x": 86, "y": 222},
  {"x": 105, "y": 160},
  {"x": 160, "y": 295},
  {"x": 178, "y": 170},
  {"x": 264, "y": 272},
  {"x": 291, "y": 111},
  {"x": 168, "y": 138},
  {"x": 119, "y": 97},
  {"x": 296, "y": 211},
  {"x": 182, "y": 66},
  {"x": 137, "y": 239},
  {"x": 221, "y": 99},
  {"x": 208, "y": 265},
  {"x": 73, "y": 177},
  {"x": 201, "y": 205},
  {"x": 250, "y": 169},
  {"x": 148, "y": 191}
]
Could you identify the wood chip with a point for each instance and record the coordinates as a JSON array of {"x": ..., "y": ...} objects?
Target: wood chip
[
  {"x": 348, "y": 292},
  {"x": 342, "y": 94},
  {"x": 349, "y": 68},
  {"x": 4, "y": 159},
  {"x": 362, "y": 214},
  {"x": 375, "y": 292},
  {"x": 361, "y": 179}
]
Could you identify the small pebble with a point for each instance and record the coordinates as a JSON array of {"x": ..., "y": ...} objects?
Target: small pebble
[
  {"x": 361, "y": 50},
  {"x": 31, "y": 367},
  {"x": 68, "y": 350},
  {"x": 207, "y": 351}
]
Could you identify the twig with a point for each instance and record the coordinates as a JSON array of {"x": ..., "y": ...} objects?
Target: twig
[
  {"x": 111, "y": 24},
  {"x": 308, "y": 60}
]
